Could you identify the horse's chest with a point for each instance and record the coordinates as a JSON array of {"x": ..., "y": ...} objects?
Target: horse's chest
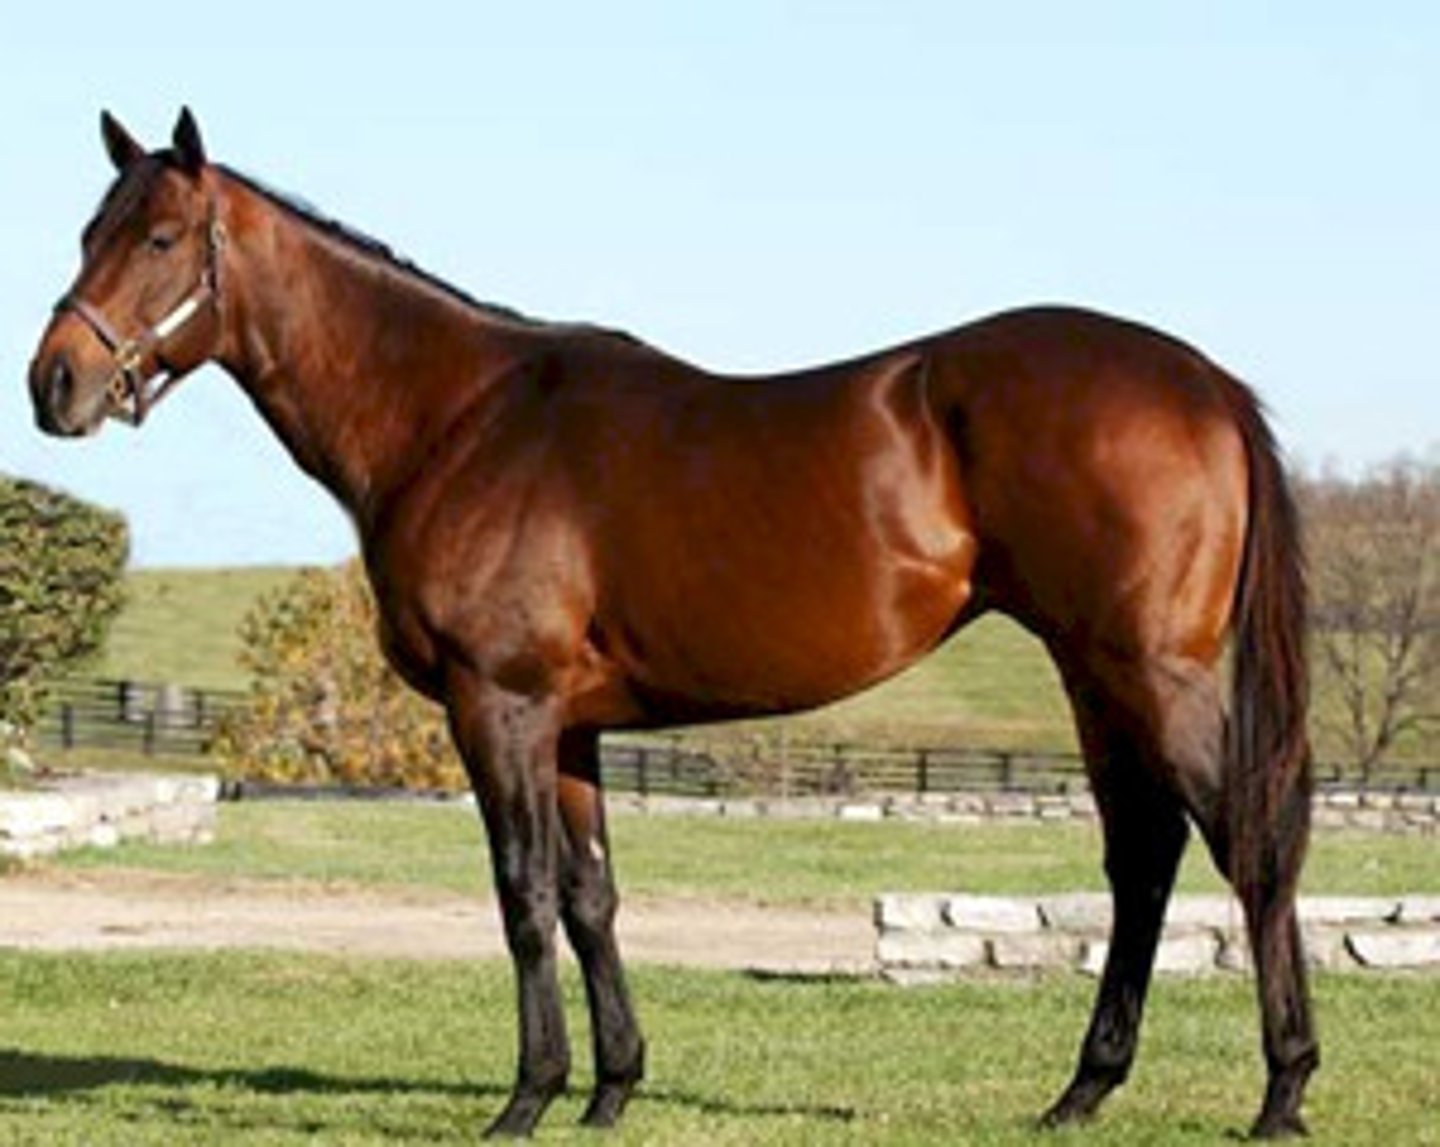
[
  {"x": 409, "y": 644},
  {"x": 492, "y": 596}
]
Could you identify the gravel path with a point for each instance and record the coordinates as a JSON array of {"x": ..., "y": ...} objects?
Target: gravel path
[{"x": 112, "y": 910}]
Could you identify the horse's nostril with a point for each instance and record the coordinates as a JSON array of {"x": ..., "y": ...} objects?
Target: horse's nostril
[
  {"x": 59, "y": 381},
  {"x": 52, "y": 385}
]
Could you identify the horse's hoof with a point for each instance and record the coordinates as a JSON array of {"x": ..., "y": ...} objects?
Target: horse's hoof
[
  {"x": 1063, "y": 1115},
  {"x": 607, "y": 1105},
  {"x": 515, "y": 1122},
  {"x": 1288, "y": 1125},
  {"x": 1077, "y": 1105},
  {"x": 522, "y": 1113}
]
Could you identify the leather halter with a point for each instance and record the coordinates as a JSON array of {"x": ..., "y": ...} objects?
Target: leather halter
[{"x": 133, "y": 390}]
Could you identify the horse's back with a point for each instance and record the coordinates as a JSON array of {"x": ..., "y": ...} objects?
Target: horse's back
[{"x": 763, "y": 545}]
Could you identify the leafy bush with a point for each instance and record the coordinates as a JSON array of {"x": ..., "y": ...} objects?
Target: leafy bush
[
  {"x": 17, "y": 768},
  {"x": 62, "y": 564},
  {"x": 324, "y": 705}
]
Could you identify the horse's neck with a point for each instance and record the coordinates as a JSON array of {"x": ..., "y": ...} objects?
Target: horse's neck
[{"x": 351, "y": 361}]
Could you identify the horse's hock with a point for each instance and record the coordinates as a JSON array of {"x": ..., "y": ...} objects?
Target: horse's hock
[
  {"x": 927, "y": 938},
  {"x": 100, "y": 811}
]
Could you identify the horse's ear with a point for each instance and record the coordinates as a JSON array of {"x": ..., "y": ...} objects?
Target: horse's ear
[
  {"x": 189, "y": 150},
  {"x": 119, "y": 143}
]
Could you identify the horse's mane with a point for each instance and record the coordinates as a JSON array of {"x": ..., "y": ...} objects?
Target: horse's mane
[
  {"x": 307, "y": 213},
  {"x": 366, "y": 244}
]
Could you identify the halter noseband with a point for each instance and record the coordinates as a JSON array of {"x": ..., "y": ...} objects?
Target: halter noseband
[{"x": 132, "y": 391}]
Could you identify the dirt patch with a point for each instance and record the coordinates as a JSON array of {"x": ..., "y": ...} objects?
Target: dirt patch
[{"x": 112, "y": 910}]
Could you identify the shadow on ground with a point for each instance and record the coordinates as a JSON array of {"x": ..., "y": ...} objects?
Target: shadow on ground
[{"x": 30, "y": 1075}]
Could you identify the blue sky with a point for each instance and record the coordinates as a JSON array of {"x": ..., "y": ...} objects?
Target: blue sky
[{"x": 760, "y": 185}]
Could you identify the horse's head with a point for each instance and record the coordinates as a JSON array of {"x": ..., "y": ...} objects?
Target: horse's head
[{"x": 144, "y": 310}]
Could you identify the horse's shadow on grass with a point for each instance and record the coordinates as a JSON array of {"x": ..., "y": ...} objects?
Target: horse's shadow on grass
[{"x": 31, "y": 1075}]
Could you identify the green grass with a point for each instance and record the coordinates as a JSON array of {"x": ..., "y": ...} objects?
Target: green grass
[
  {"x": 992, "y": 684},
  {"x": 248, "y": 1049},
  {"x": 183, "y": 625},
  {"x": 270, "y": 1049},
  {"x": 825, "y": 863}
]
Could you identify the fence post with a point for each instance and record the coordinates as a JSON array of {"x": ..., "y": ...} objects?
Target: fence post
[
  {"x": 67, "y": 725},
  {"x": 170, "y": 705},
  {"x": 1007, "y": 771},
  {"x": 131, "y": 699},
  {"x": 642, "y": 771},
  {"x": 923, "y": 772},
  {"x": 150, "y": 728}
]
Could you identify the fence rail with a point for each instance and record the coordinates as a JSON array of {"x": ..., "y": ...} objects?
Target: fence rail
[
  {"x": 157, "y": 719},
  {"x": 677, "y": 766},
  {"x": 153, "y": 718}
]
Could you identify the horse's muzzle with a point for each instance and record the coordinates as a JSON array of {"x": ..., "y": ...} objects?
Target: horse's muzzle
[{"x": 52, "y": 391}]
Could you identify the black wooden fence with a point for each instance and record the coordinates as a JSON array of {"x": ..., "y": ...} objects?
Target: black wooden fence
[
  {"x": 682, "y": 766},
  {"x": 152, "y": 718},
  {"x": 155, "y": 719}
]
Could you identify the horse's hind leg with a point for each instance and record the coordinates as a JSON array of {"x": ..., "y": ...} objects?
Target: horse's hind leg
[
  {"x": 1292, "y": 1051},
  {"x": 588, "y": 903},
  {"x": 1153, "y": 730},
  {"x": 1145, "y": 832}
]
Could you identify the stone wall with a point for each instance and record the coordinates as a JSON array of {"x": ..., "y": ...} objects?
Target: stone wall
[
  {"x": 925, "y": 938},
  {"x": 100, "y": 810},
  {"x": 1384, "y": 811},
  {"x": 1413, "y": 812}
]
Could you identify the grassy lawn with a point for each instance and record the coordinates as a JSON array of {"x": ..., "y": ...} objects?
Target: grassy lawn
[
  {"x": 276, "y": 1049},
  {"x": 821, "y": 862},
  {"x": 248, "y": 1049}
]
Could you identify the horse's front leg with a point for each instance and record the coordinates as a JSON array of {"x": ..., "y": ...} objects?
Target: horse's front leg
[{"x": 508, "y": 743}]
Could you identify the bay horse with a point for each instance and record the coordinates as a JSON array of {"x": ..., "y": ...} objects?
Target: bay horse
[{"x": 569, "y": 531}]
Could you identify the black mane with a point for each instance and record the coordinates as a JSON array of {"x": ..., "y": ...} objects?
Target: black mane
[{"x": 366, "y": 244}]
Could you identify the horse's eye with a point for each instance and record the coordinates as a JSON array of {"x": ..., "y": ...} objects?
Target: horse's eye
[{"x": 161, "y": 241}]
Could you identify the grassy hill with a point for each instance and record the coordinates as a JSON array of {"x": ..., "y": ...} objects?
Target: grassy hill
[
  {"x": 183, "y": 625},
  {"x": 992, "y": 684}
]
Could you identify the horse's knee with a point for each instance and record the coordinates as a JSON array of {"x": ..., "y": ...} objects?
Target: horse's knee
[
  {"x": 588, "y": 909},
  {"x": 529, "y": 915}
]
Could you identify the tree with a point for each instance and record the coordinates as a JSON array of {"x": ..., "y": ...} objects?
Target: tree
[
  {"x": 1375, "y": 570},
  {"x": 62, "y": 564},
  {"x": 324, "y": 705}
]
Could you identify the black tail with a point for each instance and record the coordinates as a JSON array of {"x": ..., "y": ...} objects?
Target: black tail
[{"x": 1268, "y": 776}]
